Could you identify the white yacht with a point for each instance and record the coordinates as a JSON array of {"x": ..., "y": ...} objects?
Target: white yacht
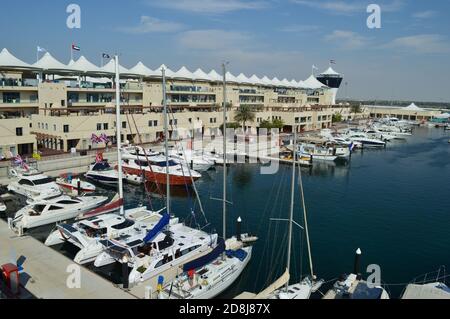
[
  {"x": 318, "y": 153},
  {"x": 365, "y": 140},
  {"x": 35, "y": 187},
  {"x": 52, "y": 211},
  {"x": 353, "y": 287},
  {"x": 75, "y": 185},
  {"x": 195, "y": 161},
  {"x": 103, "y": 173},
  {"x": 88, "y": 234}
]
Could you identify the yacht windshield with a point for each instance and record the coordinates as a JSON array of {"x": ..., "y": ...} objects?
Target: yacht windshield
[{"x": 42, "y": 181}]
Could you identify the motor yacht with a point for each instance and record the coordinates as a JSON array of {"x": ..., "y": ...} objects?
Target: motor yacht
[
  {"x": 35, "y": 187},
  {"x": 101, "y": 172}
]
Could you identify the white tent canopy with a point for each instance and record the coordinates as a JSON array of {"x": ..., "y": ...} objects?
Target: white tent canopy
[
  {"x": 413, "y": 107},
  {"x": 184, "y": 73},
  {"x": 9, "y": 61},
  {"x": 143, "y": 70},
  {"x": 242, "y": 78},
  {"x": 84, "y": 65},
  {"x": 330, "y": 71},
  {"x": 169, "y": 72},
  {"x": 276, "y": 82},
  {"x": 49, "y": 63},
  {"x": 313, "y": 83},
  {"x": 443, "y": 116},
  {"x": 110, "y": 67},
  {"x": 201, "y": 76},
  {"x": 215, "y": 76},
  {"x": 231, "y": 78},
  {"x": 255, "y": 80},
  {"x": 286, "y": 83},
  {"x": 266, "y": 81}
]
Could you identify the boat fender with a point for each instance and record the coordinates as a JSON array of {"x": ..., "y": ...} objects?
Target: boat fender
[{"x": 205, "y": 282}]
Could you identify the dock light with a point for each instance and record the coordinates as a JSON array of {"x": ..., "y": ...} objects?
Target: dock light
[
  {"x": 357, "y": 264},
  {"x": 238, "y": 229}
]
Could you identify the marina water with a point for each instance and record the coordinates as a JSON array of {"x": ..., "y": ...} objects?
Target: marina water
[{"x": 393, "y": 203}]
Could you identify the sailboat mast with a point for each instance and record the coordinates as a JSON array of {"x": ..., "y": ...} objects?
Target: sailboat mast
[
  {"x": 224, "y": 207},
  {"x": 118, "y": 134},
  {"x": 166, "y": 140},
  {"x": 291, "y": 215},
  {"x": 308, "y": 243}
]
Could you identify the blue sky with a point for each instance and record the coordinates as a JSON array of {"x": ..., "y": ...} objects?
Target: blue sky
[{"x": 408, "y": 58}]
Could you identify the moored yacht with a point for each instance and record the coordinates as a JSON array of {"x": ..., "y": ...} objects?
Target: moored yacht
[
  {"x": 318, "y": 153},
  {"x": 75, "y": 185},
  {"x": 35, "y": 187},
  {"x": 365, "y": 140},
  {"x": 101, "y": 172},
  {"x": 52, "y": 211}
]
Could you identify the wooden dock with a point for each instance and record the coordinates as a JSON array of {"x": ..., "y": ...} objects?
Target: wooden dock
[{"x": 45, "y": 271}]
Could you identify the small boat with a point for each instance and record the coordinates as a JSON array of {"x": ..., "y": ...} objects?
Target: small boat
[
  {"x": 317, "y": 153},
  {"x": 70, "y": 184},
  {"x": 52, "y": 211},
  {"x": 35, "y": 187},
  {"x": 155, "y": 170},
  {"x": 87, "y": 234},
  {"x": 101, "y": 172}
]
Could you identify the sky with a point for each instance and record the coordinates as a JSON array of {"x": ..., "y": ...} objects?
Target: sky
[{"x": 406, "y": 59}]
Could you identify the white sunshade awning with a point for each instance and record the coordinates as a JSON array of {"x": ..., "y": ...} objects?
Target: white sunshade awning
[
  {"x": 285, "y": 82},
  {"x": 330, "y": 71},
  {"x": 231, "y": 78},
  {"x": 9, "y": 61},
  {"x": 169, "y": 72},
  {"x": 215, "y": 76},
  {"x": 110, "y": 67},
  {"x": 142, "y": 70},
  {"x": 293, "y": 83},
  {"x": 49, "y": 63},
  {"x": 313, "y": 84},
  {"x": 85, "y": 66},
  {"x": 183, "y": 73},
  {"x": 413, "y": 107},
  {"x": 266, "y": 81},
  {"x": 255, "y": 80},
  {"x": 200, "y": 75},
  {"x": 242, "y": 78},
  {"x": 276, "y": 82}
]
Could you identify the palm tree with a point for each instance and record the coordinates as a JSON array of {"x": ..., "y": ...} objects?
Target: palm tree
[{"x": 244, "y": 114}]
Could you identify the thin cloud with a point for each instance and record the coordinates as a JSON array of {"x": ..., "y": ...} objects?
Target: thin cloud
[
  {"x": 341, "y": 7},
  {"x": 422, "y": 44},
  {"x": 299, "y": 28},
  {"x": 213, "y": 39},
  {"x": 209, "y": 6},
  {"x": 347, "y": 40},
  {"x": 152, "y": 25},
  {"x": 425, "y": 14}
]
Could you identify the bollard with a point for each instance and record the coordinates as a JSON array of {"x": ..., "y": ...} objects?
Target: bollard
[
  {"x": 238, "y": 229},
  {"x": 357, "y": 264}
]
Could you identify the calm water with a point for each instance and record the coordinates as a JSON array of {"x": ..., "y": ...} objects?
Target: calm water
[{"x": 394, "y": 204}]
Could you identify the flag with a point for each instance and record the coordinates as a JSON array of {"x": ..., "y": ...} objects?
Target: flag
[
  {"x": 75, "y": 47},
  {"x": 104, "y": 138},
  {"x": 99, "y": 158},
  {"x": 106, "y": 56},
  {"x": 332, "y": 61},
  {"x": 39, "y": 49},
  {"x": 96, "y": 139}
]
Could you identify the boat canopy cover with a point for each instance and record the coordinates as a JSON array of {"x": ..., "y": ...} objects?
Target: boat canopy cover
[
  {"x": 102, "y": 166},
  {"x": 163, "y": 222},
  {"x": 239, "y": 254},
  {"x": 204, "y": 260},
  {"x": 362, "y": 291}
]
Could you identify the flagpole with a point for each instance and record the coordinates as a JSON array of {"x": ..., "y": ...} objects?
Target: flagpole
[{"x": 71, "y": 52}]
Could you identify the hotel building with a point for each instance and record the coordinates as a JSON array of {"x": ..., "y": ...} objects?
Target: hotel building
[{"x": 51, "y": 106}]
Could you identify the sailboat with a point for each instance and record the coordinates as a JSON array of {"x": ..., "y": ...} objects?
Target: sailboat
[
  {"x": 280, "y": 289},
  {"x": 210, "y": 275}
]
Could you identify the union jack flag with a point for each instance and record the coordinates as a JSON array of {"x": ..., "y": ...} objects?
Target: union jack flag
[
  {"x": 104, "y": 138},
  {"x": 96, "y": 139}
]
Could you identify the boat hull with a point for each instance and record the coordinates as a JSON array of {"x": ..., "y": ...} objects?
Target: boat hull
[{"x": 160, "y": 178}]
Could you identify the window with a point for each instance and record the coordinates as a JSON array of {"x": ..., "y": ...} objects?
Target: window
[
  {"x": 25, "y": 182},
  {"x": 190, "y": 120},
  {"x": 150, "y": 123},
  {"x": 19, "y": 131},
  {"x": 46, "y": 126},
  {"x": 105, "y": 126},
  {"x": 31, "y": 125},
  {"x": 39, "y": 125},
  {"x": 63, "y": 103},
  {"x": 54, "y": 127},
  {"x": 155, "y": 123},
  {"x": 66, "y": 128},
  {"x": 124, "y": 124},
  {"x": 11, "y": 97},
  {"x": 99, "y": 127}
]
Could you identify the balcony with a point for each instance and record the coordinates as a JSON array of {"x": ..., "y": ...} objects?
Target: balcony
[{"x": 18, "y": 103}]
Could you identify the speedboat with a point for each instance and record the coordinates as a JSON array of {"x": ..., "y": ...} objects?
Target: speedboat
[
  {"x": 365, "y": 140},
  {"x": 103, "y": 173},
  {"x": 196, "y": 162},
  {"x": 35, "y": 187},
  {"x": 75, "y": 185},
  {"x": 87, "y": 234},
  {"x": 54, "y": 210},
  {"x": 317, "y": 152},
  {"x": 155, "y": 170}
]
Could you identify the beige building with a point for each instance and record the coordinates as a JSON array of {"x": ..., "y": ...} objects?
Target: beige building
[
  {"x": 49, "y": 106},
  {"x": 410, "y": 113}
]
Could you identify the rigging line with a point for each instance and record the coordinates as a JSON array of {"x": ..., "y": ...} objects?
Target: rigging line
[
  {"x": 148, "y": 162},
  {"x": 189, "y": 170},
  {"x": 137, "y": 152}
]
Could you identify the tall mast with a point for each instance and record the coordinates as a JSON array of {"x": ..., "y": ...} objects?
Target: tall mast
[
  {"x": 224, "y": 151},
  {"x": 291, "y": 215},
  {"x": 118, "y": 134},
  {"x": 166, "y": 140},
  {"x": 306, "y": 225}
]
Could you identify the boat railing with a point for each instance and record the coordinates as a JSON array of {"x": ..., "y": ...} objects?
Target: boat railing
[{"x": 439, "y": 275}]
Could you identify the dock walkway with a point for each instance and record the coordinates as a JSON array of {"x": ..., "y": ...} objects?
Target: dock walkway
[{"x": 45, "y": 271}]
